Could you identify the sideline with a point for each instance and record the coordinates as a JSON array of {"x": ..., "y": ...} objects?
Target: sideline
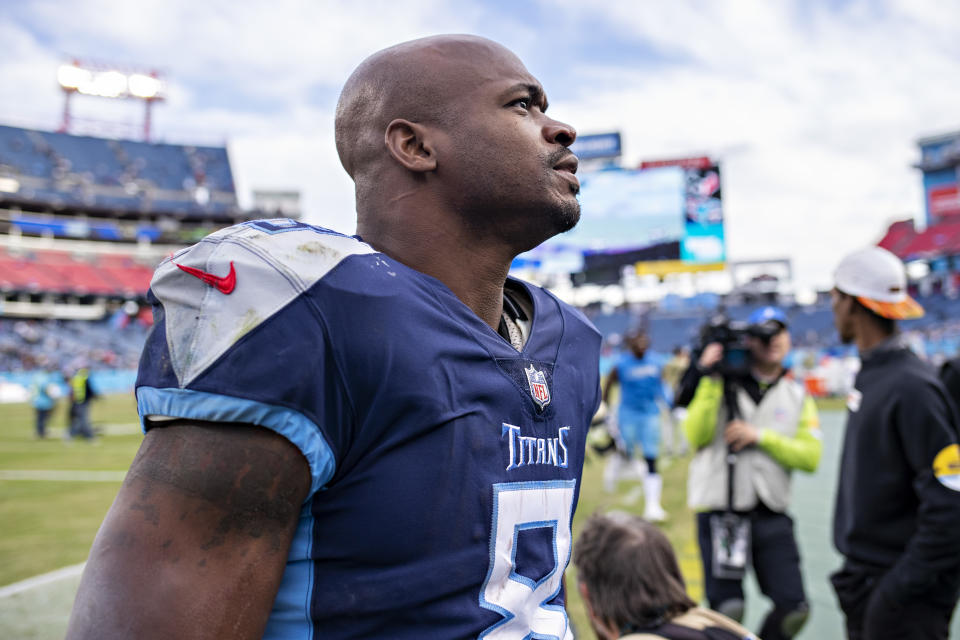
[
  {"x": 50, "y": 475},
  {"x": 41, "y": 580}
]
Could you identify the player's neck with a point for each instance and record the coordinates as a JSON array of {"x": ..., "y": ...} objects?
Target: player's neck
[{"x": 473, "y": 271}]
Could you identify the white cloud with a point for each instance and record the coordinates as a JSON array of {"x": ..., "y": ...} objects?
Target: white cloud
[
  {"x": 27, "y": 71},
  {"x": 279, "y": 48}
]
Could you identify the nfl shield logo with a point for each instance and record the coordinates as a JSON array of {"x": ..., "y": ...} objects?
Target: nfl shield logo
[{"x": 539, "y": 390}]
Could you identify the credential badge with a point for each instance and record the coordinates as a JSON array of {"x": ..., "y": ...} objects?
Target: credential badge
[{"x": 539, "y": 390}]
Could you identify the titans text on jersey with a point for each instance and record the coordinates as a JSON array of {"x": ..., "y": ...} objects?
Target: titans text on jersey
[
  {"x": 532, "y": 450},
  {"x": 445, "y": 463}
]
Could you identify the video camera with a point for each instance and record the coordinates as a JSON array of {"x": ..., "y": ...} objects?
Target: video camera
[{"x": 733, "y": 336}]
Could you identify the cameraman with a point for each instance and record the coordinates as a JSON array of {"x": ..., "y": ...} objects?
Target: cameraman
[{"x": 777, "y": 431}]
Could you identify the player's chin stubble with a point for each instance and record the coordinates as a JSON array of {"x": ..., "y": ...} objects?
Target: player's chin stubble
[{"x": 567, "y": 216}]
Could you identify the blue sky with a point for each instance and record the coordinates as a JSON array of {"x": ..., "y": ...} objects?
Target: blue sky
[{"x": 813, "y": 107}]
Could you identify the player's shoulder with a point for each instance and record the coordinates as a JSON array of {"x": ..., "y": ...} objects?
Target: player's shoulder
[
  {"x": 239, "y": 279},
  {"x": 279, "y": 249}
]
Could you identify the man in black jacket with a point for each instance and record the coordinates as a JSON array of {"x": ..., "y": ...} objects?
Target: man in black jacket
[
  {"x": 950, "y": 377},
  {"x": 897, "y": 517}
]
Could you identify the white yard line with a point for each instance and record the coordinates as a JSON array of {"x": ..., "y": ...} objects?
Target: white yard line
[
  {"x": 41, "y": 580},
  {"x": 50, "y": 475}
]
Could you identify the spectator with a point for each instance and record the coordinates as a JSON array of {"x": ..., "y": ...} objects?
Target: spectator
[
  {"x": 897, "y": 510},
  {"x": 632, "y": 587}
]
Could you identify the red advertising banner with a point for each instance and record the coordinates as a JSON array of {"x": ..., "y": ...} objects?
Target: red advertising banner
[{"x": 944, "y": 201}]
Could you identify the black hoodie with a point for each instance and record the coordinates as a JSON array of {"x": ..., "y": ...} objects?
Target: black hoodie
[{"x": 893, "y": 514}]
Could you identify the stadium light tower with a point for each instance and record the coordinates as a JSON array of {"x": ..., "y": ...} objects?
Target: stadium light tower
[{"x": 108, "y": 81}]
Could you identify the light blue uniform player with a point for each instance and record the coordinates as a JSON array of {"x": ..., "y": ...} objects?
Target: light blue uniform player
[
  {"x": 43, "y": 403},
  {"x": 639, "y": 374}
]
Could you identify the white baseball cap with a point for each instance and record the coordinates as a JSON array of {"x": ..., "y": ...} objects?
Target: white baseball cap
[{"x": 877, "y": 279}]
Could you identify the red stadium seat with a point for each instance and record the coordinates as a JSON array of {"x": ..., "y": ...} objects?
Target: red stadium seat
[{"x": 61, "y": 272}]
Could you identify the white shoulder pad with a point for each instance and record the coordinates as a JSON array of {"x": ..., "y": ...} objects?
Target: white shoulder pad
[{"x": 221, "y": 288}]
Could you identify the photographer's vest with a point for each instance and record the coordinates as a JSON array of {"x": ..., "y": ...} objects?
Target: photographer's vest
[
  {"x": 757, "y": 476},
  {"x": 78, "y": 383}
]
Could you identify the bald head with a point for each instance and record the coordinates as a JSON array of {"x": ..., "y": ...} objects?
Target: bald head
[
  {"x": 449, "y": 135},
  {"x": 416, "y": 81}
]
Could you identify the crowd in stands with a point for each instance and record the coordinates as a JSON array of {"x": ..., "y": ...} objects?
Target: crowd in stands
[
  {"x": 121, "y": 175},
  {"x": 71, "y": 208},
  {"x": 63, "y": 345}
]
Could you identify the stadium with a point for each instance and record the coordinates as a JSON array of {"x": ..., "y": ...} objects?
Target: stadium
[{"x": 85, "y": 219}]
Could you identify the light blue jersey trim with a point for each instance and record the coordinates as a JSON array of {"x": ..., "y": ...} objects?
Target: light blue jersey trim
[
  {"x": 290, "y": 617},
  {"x": 200, "y": 405}
]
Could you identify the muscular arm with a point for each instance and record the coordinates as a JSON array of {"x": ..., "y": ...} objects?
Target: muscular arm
[{"x": 195, "y": 544}]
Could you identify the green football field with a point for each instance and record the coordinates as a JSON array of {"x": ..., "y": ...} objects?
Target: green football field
[{"x": 53, "y": 495}]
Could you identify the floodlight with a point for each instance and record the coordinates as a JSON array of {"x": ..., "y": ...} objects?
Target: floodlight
[
  {"x": 72, "y": 77},
  {"x": 113, "y": 81},
  {"x": 107, "y": 84},
  {"x": 143, "y": 86}
]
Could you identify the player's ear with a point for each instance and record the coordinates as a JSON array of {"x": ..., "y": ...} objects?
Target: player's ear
[{"x": 410, "y": 144}]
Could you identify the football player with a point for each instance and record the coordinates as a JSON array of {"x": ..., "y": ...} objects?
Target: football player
[{"x": 370, "y": 436}]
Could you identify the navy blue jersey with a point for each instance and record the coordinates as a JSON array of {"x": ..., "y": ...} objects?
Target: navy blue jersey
[{"x": 445, "y": 464}]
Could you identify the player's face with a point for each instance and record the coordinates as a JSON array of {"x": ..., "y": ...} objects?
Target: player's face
[
  {"x": 842, "y": 306},
  {"x": 772, "y": 352},
  {"x": 639, "y": 344},
  {"x": 507, "y": 166}
]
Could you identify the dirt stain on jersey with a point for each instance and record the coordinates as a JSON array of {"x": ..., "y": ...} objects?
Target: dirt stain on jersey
[
  {"x": 318, "y": 249},
  {"x": 249, "y": 322}
]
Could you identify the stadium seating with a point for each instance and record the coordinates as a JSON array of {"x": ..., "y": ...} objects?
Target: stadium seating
[
  {"x": 114, "y": 343},
  {"x": 61, "y": 272},
  {"x": 108, "y": 194},
  {"x": 943, "y": 238},
  {"x": 21, "y": 274},
  {"x": 898, "y": 235},
  {"x": 122, "y": 175}
]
